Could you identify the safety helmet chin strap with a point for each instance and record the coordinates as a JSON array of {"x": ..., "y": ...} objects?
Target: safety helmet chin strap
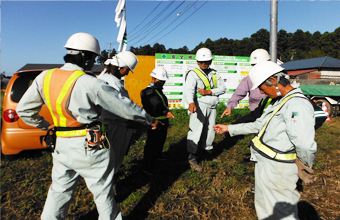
[{"x": 278, "y": 93}]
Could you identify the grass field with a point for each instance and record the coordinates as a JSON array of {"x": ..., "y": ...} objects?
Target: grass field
[{"x": 220, "y": 191}]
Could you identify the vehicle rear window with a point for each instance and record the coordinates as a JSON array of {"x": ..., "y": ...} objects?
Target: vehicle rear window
[{"x": 21, "y": 84}]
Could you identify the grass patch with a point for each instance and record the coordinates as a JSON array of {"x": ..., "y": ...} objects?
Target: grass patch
[{"x": 220, "y": 191}]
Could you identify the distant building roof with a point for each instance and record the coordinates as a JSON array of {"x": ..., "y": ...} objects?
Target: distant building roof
[
  {"x": 298, "y": 72},
  {"x": 96, "y": 68},
  {"x": 313, "y": 63}
]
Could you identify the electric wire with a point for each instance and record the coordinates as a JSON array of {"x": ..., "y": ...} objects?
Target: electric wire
[
  {"x": 186, "y": 9},
  {"x": 146, "y": 17},
  {"x": 153, "y": 28},
  {"x": 154, "y": 19},
  {"x": 182, "y": 21}
]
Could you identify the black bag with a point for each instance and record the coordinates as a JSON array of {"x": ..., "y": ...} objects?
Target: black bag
[{"x": 50, "y": 138}]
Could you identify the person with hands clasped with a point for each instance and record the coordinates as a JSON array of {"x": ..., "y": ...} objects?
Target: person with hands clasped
[
  {"x": 284, "y": 142},
  {"x": 156, "y": 104},
  {"x": 202, "y": 87}
]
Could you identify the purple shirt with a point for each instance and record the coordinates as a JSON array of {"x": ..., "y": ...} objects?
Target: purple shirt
[{"x": 241, "y": 91}]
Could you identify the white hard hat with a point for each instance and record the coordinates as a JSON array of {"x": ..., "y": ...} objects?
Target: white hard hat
[
  {"x": 204, "y": 54},
  {"x": 107, "y": 62},
  {"x": 262, "y": 71},
  {"x": 259, "y": 55},
  {"x": 126, "y": 59},
  {"x": 159, "y": 73},
  {"x": 83, "y": 42}
]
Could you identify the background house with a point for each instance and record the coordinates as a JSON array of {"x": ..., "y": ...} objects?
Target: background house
[{"x": 314, "y": 68}]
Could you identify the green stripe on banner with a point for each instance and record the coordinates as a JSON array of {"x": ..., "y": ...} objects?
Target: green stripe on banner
[
  {"x": 223, "y": 63},
  {"x": 175, "y": 75},
  {"x": 173, "y": 93},
  {"x": 173, "y": 84}
]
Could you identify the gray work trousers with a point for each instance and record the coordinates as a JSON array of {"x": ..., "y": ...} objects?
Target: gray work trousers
[
  {"x": 70, "y": 163},
  {"x": 201, "y": 128},
  {"x": 275, "y": 194}
]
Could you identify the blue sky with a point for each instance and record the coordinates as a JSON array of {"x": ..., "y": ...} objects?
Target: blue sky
[{"x": 36, "y": 31}]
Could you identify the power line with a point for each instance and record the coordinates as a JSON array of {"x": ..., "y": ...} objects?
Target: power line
[
  {"x": 186, "y": 9},
  {"x": 151, "y": 29},
  {"x": 182, "y": 21},
  {"x": 146, "y": 17},
  {"x": 155, "y": 18}
]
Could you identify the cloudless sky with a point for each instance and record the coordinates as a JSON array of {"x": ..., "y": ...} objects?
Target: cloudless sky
[{"x": 36, "y": 31}]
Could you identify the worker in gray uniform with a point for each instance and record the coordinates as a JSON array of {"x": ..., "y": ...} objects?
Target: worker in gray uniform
[
  {"x": 202, "y": 87},
  {"x": 75, "y": 100},
  {"x": 120, "y": 132},
  {"x": 285, "y": 133}
]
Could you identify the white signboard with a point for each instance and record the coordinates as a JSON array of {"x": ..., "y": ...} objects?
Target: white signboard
[{"x": 232, "y": 70}]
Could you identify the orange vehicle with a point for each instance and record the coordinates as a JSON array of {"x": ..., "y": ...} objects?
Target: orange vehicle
[{"x": 17, "y": 136}]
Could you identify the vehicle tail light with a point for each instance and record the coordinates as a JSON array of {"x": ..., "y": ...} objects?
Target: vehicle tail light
[{"x": 10, "y": 115}]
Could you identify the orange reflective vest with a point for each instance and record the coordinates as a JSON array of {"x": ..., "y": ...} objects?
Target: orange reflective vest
[{"x": 58, "y": 97}]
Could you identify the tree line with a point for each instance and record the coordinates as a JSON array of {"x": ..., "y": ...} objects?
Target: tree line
[{"x": 290, "y": 46}]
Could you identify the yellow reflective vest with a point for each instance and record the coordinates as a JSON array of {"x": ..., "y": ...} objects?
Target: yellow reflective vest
[
  {"x": 205, "y": 80},
  {"x": 57, "y": 98},
  {"x": 267, "y": 151}
]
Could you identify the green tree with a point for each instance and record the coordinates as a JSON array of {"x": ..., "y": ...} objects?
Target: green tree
[
  {"x": 259, "y": 40},
  {"x": 105, "y": 55},
  {"x": 159, "y": 48}
]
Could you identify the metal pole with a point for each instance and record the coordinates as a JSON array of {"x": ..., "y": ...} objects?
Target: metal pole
[{"x": 273, "y": 30}]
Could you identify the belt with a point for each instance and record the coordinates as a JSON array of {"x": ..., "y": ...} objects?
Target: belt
[
  {"x": 71, "y": 131},
  {"x": 74, "y": 133}
]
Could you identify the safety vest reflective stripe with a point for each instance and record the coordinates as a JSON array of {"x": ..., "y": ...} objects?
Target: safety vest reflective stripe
[
  {"x": 63, "y": 93},
  {"x": 55, "y": 105},
  {"x": 160, "y": 117},
  {"x": 270, "y": 153},
  {"x": 75, "y": 133},
  {"x": 268, "y": 103},
  {"x": 259, "y": 146},
  {"x": 166, "y": 106},
  {"x": 205, "y": 80},
  {"x": 46, "y": 89}
]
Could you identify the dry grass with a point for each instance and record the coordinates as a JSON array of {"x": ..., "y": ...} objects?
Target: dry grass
[{"x": 221, "y": 191}]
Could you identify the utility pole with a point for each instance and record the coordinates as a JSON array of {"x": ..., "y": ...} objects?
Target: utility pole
[
  {"x": 108, "y": 54},
  {"x": 273, "y": 30}
]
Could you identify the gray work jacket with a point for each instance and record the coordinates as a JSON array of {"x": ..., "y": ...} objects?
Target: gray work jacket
[
  {"x": 291, "y": 127},
  {"x": 88, "y": 97},
  {"x": 194, "y": 82}
]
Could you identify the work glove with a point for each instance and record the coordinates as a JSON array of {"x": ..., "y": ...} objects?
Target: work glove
[{"x": 305, "y": 172}]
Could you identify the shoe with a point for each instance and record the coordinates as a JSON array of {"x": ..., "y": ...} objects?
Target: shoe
[
  {"x": 210, "y": 156},
  {"x": 194, "y": 165},
  {"x": 216, "y": 160},
  {"x": 252, "y": 189}
]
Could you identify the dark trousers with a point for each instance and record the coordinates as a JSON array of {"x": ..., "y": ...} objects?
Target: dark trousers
[
  {"x": 120, "y": 136},
  {"x": 155, "y": 143}
]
